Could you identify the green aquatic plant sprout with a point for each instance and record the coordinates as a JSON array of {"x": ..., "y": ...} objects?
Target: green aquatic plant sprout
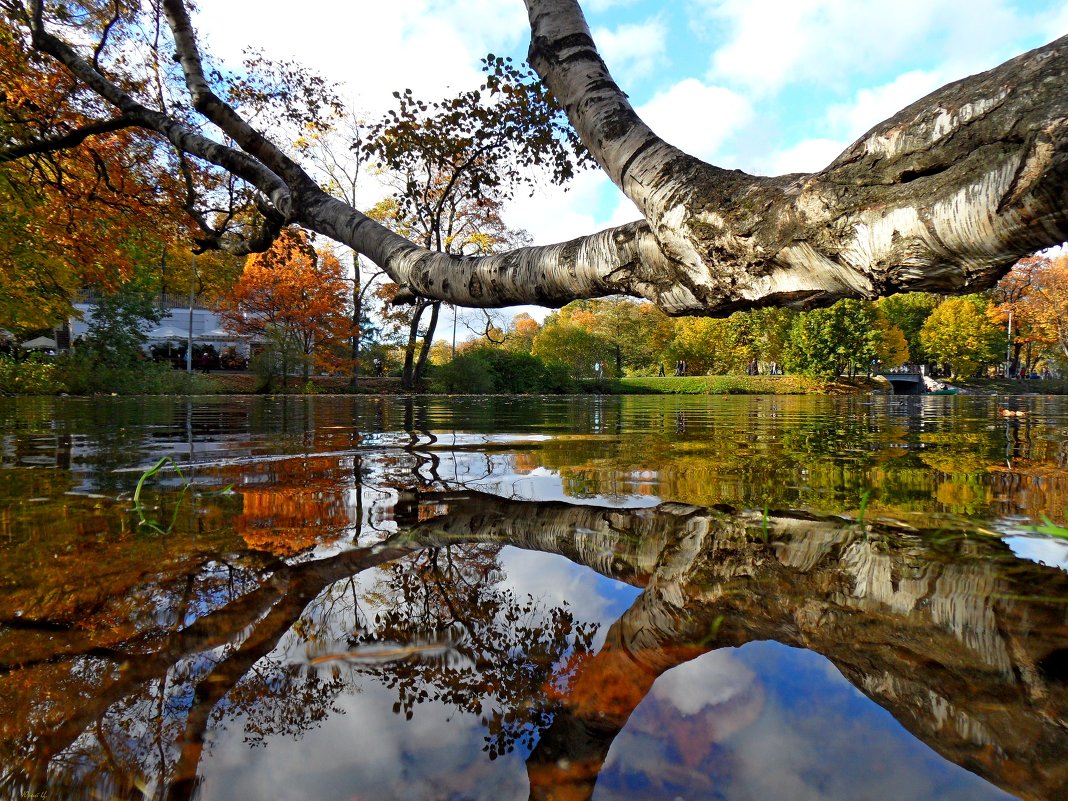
[
  {"x": 139, "y": 507},
  {"x": 187, "y": 485},
  {"x": 864, "y": 498},
  {"x": 1050, "y": 528}
]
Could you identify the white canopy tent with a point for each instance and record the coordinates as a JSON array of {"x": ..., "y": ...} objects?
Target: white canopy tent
[
  {"x": 168, "y": 332},
  {"x": 217, "y": 335}
]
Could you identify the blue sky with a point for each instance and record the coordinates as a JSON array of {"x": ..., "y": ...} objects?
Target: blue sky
[{"x": 766, "y": 86}]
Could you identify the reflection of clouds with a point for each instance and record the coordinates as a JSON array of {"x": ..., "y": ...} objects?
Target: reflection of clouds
[
  {"x": 713, "y": 679},
  {"x": 554, "y": 579},
  {"x": 814, "y": 737},
  {"x": 517, "y": 475},
  {"x": 367, "y": 752},
  {"x": 1053, "y": 553},
  {"x": 364, "y": 749}
]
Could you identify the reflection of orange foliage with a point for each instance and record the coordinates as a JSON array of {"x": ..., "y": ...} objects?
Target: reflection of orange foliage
[
  {"x": 302, "y": 506},
  {"x": 526, "y": 462},
  {"x": 285, "y": 521},
  {"x": 429, "y": 511},
  {"x": 1032, "y": 487},
  {"x": 609, "y": 685}
]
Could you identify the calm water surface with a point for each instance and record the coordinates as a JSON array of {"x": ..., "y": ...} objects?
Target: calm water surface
[{"x": 564, "y": 598}]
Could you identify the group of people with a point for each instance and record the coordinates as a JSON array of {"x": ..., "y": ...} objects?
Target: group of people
[
  {"x": 752, "y": 368},
  {"x": 680, "y": 368}
]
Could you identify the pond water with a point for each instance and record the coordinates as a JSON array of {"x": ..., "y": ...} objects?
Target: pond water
[{"x": 558, "y": 598}]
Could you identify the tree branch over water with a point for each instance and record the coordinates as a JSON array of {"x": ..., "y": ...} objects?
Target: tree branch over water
[{"x": 945, "y": 195}]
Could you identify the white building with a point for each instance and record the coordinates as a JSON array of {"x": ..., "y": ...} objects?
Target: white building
[{"x": 207, "y": 326}]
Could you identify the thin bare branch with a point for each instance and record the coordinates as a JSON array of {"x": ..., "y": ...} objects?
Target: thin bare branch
[
  {"x": 211, "y": 106},
  {"x": 116, "y": 15},
  {"x": 241, "y": 164},
  {"x": 69, "y": 139}
]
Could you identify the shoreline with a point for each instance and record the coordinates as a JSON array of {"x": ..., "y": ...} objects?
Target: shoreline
[{"x": 238, "y": 384}]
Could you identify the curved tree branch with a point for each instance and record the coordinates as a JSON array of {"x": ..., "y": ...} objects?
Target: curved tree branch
[
  {"x": 944, "y": 196},
  {"x": 606, "y": 263},
  {"x": 211, "y": 106},
  {"x": 563, "y": 53},
  {"x": 181, "y": 137}
]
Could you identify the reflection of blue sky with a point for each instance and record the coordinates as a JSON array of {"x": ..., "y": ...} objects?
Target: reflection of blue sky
[
  {"x": 757, "y": 722},
  {"x": 1044, "y": 550},
  {"x": 766, "y": 721}
]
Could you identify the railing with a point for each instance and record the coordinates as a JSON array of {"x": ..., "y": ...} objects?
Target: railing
[
  {"x": 165, "y": 300},
  {"x": 905, "y": 370}
]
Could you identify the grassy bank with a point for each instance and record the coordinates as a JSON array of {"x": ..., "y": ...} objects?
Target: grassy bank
[
  {"x": 739, "y": 385},
  {"x": 1003, "y": 386}
]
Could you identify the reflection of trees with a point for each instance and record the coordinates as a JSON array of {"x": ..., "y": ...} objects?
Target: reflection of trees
[
  {"x": 915, "y": 455},
  {"x": 931, "y": 628},
  {"x": 201, "y": 664},
  {"x": 944, "y": 631},
  {"x": 504, "y": 650},
  {"x": 753, "y": 451},
  {"x": 224, "y": 665}
]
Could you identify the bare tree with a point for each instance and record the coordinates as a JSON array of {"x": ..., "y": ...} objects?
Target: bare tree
[{"x": 339, "y": 155}]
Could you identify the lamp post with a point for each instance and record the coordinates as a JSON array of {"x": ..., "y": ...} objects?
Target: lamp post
[
  {"x": 1008, "y": 349},
  {"x": 192, "y": 291}
]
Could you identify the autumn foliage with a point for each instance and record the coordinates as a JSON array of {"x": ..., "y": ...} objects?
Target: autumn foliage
[
  {"x": 295, "y": 297},
  {"x": 77, "y": 216},
  {"x": 1036, "y": 294}
]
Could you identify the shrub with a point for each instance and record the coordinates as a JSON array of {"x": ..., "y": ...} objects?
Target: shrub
[
  {"x": 487, "y": 370},
  {"x": 79, "y": 373},
  {"x": 31, "y": 376},
  {"x": 467, "y": 374}
]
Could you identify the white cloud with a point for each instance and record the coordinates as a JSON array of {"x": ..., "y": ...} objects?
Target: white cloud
[
  {"x": 597, "y": 6},
  {"x": 696, "y": 117},
  {"x": 430, "y": 46},
  {"x": 776, "y": 42},
  {"x": 809, "y": 155},
  {"x": 871, "y": 106},
  {"x": 631, "y": 51},
  {"x": 555, "y": 213},
  {"x": 1058, "y": 24},
  {"x": 715, "y": 678},
  {"x": 623, "y": 212},
  {"x": 847, "y": 121}
]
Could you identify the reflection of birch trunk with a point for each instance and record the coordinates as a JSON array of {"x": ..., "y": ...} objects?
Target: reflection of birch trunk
[
  {"x": 941, "y": 632},
  {"x": 944, "y": 636}
]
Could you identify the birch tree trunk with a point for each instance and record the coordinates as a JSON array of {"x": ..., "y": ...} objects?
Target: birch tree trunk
[
  {"x": 428, "y": 341},
  {"x": 357, "y": 324},
  {"x": 944, "y": 196}
]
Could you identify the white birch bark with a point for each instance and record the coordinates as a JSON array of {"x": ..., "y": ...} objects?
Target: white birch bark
[{"x": 945, "y": 196}]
